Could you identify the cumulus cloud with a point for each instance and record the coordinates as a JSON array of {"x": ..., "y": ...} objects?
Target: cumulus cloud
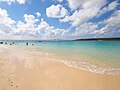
[
  {"x": 112, "y": 25},
  {"x": 31, "y": 28},
  {"x": 85, "y": 29},
  {"x": 102, "y": 31},
  {"x": 49, "y": 32},
  {"x": 13, "y": 1},
  {"x": 26, "y": 28},
  {"x": 5, "y": 19},
  {"x": 21, "y": 1},
  {"x": 113, "y": 5},
  {"x": 114, "y": 19},
  {"x": 74, "y": 4},
  {"x": 56, "y": 11},
  {"x": 110, "y": 7},
  {"x": 38, "y": 14},
  {"x": 108, "y": 27},
  {"x": 6, "y": 23},
  {"x": 8, "y": 1},
  {"x": 89, "y": 10},
  {"x": 82, "y": 11},
  {"x": 30, "y": 20},
  {"x": 4, "y": 29},
  {"x": 41, "y": 31}
]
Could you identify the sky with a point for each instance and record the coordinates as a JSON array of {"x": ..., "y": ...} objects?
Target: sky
[{"x": 59, "y": 19}]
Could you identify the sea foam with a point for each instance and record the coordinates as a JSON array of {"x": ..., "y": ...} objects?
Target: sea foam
[{"x": 91, "y": 67}]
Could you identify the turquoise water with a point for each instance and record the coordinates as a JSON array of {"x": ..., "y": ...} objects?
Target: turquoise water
[
  {"x": 95, "y": 56},
  {"x": 102, "y": 51}
]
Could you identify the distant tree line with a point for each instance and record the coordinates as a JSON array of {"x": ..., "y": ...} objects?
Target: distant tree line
[{"x": 98, "y": 39}]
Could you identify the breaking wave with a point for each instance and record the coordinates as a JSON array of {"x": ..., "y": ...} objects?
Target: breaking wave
[{"x": 92, "y": 68}]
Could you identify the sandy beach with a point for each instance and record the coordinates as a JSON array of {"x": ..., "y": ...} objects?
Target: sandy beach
[{"x": 24, "y": 69}]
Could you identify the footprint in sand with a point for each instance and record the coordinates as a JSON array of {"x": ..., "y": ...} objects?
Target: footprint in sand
[
  {"x": 11, "y": 83},
  {"x": 16, "y": 86},
  {"x": 6, "y": 73}
]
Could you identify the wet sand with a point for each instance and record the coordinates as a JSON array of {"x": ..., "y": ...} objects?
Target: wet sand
[{"x": 24, "y": 69}]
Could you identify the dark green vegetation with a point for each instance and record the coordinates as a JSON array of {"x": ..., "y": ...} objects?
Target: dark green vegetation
[{"x": 98, "y": 39}]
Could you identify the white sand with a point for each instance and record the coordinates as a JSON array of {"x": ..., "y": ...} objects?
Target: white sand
[{"x": 21, "y": 69}]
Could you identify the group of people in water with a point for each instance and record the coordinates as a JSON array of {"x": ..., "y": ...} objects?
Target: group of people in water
[
  {"x": 28, "y": 44},
  {"x": 12, "y": 43}
]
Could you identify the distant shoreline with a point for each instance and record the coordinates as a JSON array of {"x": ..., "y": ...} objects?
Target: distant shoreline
[
  {"x": 98, "y": 39},
  {"x": 83, "y": 39}
]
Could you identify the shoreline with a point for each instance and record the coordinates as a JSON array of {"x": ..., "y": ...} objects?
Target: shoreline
[
  {"x": 24, "y": 70},
  {"x": 82, "y": 64}
]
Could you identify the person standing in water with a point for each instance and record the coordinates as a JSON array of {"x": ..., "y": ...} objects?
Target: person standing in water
[{"x": 27, "y": 43}]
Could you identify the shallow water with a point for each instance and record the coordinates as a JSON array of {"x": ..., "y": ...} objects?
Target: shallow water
[
  {"x": 95, "y": 56},
  {"x": 102, "y": 51}
]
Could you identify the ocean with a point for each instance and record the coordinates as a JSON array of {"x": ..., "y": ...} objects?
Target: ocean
[{"x": 95, "y": 56}]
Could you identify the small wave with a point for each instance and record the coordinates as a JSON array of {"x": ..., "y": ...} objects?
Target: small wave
[{"x": 92, "y": 68}]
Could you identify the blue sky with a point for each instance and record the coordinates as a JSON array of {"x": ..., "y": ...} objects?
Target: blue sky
[{"x": 59, "y": 19}]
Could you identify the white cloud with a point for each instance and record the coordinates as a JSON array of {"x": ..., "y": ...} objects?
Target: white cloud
[
  {"x": 89, "y": 10},
  {"x": 45, "y": 31},
  {"x": 38, "y": 14},
  {"x": 110, "y": 27},
  {"x": 6, "y": 23},
  {"x": 110, "y": 7},
  {"x": 85, "y": 29},
  {"x": 21, "y": 1},
  {"x": 41, "y": 31},
  {"x": 112, "y": 24},
  {"x": 113, "y": 5},
  {"x": 30, "y": 20},
  {"x": 8, "y": 1},
  {"x": 27, "y": 28},
  {"x": 74, "y": 4},
  {"x": 56, "y": 11},
  {"x": 102, "y": 31},
  {"x": 114, "y": 19},
  {"x": 5, "y": 20},
  {"x": 13, "y": 1},
  {"x": 4, "y": 29},
  {"x": 42, "y": 25},
  {"x": 31, "y": 28}
]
